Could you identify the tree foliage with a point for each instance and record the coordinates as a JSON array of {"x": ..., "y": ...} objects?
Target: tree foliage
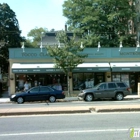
[
  {"x": 105, "y": 21},
  {"x": 67, "y": 56},
  {"x": 36, "y": 35},
  {"x": 9, "y": 34}
]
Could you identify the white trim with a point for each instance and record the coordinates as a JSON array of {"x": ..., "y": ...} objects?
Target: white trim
[
  {"x": 22, "y": 66},
  {"x": 90, "y": 65},
  {"x": 132, "y": 64}
]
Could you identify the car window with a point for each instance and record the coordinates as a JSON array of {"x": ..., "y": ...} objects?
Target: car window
[
  {"x": 45, "y": 89},
  {"x": 34, "y": 90},
  {"x": 121, "y": 85},
  {"x": 102, "y": 86},
  {"x": 111, "y": 85}
]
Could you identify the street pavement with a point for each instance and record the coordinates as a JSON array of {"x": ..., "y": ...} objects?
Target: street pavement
[{"x": 65, "y": 110}]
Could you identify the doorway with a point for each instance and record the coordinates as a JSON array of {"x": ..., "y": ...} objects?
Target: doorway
[{"x": 99, "y": 77}]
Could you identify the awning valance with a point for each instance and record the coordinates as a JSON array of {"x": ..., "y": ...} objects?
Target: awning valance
[
  {"x": 50, "y": 68},
  {"x": 92, "y": 67},
  {"x": 34, "y": 68},
  {"x": 120, "y": 67}
]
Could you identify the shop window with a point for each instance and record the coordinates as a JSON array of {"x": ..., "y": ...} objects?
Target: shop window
[
  {"x": 83, "y": 80},
  {"x": 41, "y": 79},
  {"x": 125, "y": 78},
  {"x": 116, "y": 77}
]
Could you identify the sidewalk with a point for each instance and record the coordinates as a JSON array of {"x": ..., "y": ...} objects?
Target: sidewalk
[{"x": 65, "y": 110}]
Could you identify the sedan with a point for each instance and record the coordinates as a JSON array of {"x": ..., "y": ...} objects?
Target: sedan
[{"x": 39, "y": 93}]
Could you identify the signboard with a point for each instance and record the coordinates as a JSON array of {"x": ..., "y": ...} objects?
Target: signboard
[{"x": 38, "y": 70}]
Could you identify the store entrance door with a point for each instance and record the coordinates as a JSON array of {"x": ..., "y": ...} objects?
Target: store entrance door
[
  {"x": 134, "y": 80},
  {"x": 99, "y": 78}
]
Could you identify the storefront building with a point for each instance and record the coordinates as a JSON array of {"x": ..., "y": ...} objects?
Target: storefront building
[{"x": 107, "y": 64}]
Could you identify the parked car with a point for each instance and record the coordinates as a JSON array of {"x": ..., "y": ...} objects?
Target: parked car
[
  {"x": 114, "y": 90},
  {"x": 39, "y": 93}
]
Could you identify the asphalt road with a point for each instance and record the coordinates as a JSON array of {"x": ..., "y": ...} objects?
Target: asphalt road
[
  {"x": 68, "y": 104},
  {"x": 110, "y": 126}
]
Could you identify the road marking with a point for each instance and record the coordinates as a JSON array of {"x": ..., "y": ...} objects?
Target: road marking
[{"x": 64, "y": 132}]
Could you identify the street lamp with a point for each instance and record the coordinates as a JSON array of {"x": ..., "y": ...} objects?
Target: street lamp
[
  {"x": 99, "y": 46},
  {"x": 137, "y": 46},
  {"x": 81, "y": 46},
  {"x": 120, "y": 46},
  {"x": 59, "y": 44},
  {"x": 23, "y": 47},
  {"x": 41, "y": 46}
]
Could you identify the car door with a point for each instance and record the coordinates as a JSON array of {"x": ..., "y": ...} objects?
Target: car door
[
  {"x": 112, "y": 87},
  {"x": 32, "y": 94},
  {"x": 101, "y": 91},
  {"x": 44, "y": 93}
]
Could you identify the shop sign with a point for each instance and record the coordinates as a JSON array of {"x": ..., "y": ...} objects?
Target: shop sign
[
  {"x": 129, "y": 53},
  {"x": 125, "y": 68},
  {"x": 91, "y": 69},
  {"x": 34, "y": 54},
  {"x": 35, "y": 70}
]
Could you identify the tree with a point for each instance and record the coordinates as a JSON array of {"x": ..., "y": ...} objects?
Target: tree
[
  {"x": 67, "y": 56},
  {"x": 105, "y": 21},
  {"x": 9, "y": 34},
  {"x": 36, "y": 35}
]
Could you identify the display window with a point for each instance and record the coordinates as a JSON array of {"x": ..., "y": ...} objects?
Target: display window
[
  {"x": 58, "y": 81},
  {"x": 87, "y": 80},
  {"x": 124, "y": 77},
  {"x": 131, "y": 79}
]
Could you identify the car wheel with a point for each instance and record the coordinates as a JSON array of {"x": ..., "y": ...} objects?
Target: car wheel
[
  {"x": 89, "y": 97},
  {"x": 52, "y": 99},
  {"x": 119, "y": 97},
  {"x": 20, "y": 100}
]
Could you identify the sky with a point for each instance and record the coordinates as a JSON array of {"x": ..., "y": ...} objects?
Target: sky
[{"x": 37, "y": 13}]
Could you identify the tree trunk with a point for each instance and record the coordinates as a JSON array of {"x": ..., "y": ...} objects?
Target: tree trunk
[{"x": 68, "y": 85}]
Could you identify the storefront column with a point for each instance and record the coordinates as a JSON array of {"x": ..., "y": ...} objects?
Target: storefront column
[
  {"x": 139, "y": 89},
  {"x": 108, "y": 77},
  {"x": 12, "y": 83}
]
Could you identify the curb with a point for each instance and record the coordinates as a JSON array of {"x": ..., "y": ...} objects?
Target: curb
[
  {"x": 90, "y": 110},
  {"x": 99, "y": 110},
  {"x": 44, "y": 112}
]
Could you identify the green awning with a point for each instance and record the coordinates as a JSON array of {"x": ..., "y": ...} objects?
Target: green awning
[
  {"x": 92, "y": 67},
  {"x": 34, "y": 68},
  {"x": 125, "y": 67},
  {"x": 49, "y": 68}
]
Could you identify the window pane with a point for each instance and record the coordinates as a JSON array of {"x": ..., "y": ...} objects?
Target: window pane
[
  {"x": 44, "y": 89},
  {"x": 102, "y": 86},
  {"x": 36, "y": 89},
  {"x": 111, "y": 85},
  {"x": 121, "y": 85}
]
